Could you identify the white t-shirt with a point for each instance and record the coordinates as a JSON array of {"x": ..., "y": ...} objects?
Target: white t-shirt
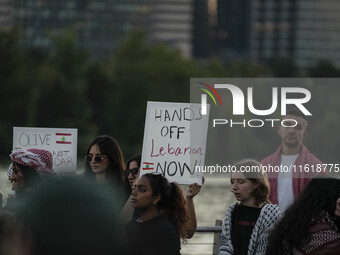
[{"x": 285, "y": 194}]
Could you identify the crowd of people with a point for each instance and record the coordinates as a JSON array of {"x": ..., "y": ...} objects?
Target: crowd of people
[{"x": 112, "y": 209}]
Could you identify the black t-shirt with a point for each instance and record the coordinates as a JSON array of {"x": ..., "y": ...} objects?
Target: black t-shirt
[
  {"x": 153, "y": 237},
  {"x": 243, "y": 220}
]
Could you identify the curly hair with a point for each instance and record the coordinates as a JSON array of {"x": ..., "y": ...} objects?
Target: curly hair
[
  {"x": 320, "y": 194},
  {"x": 172, "y": 202},
  {"x": 257, "y": 176},
  {"x": 110, "y": 147}
]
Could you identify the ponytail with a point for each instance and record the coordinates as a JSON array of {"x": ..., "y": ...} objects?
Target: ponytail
[
  {"x": 176, "y": 211},
  {"x": 172, "y": 202}
]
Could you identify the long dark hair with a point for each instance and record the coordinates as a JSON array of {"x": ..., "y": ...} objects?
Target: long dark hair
[
  {"x": 108, "y": 146},
  {"x": 31, "y": 177},
  {"x": 320, "y": 194},
  {"x": 136, "y": 157},
  {"x": 172, "y": 202}
]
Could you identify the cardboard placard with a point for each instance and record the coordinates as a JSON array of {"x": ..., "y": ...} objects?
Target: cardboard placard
[
  {"x": 61, "y": 142},
  {"x": 174, "y": 141}
]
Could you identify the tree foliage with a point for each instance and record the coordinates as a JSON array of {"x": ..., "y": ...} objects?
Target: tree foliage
[{"x": 66, "y": 88}]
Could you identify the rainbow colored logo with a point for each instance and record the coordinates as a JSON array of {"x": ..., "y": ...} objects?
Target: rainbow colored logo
[{"x": 204, "y": 96}]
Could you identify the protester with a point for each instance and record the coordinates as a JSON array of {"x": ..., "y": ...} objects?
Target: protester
[
  {"x": 192, "y": 191},
  {"x": 131, "y": 174},
  {"x": 132, "y": 170},
  {"x": 68, "y": 216},
  {"x": 249, "y": 221},
  {"x": 337, "y": 210},
  {"x": 163, "y": 220},
  {"x": 286, "y": 185},
  {"x": 7, "y": 234},
  {"x": 310, "y": 226},
  {"x": 104, "y": 163},
  {"x": 128, "y": 212},
  {"x": 28, "y": 169}
]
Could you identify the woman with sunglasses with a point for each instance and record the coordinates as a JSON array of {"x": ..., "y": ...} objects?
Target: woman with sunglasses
[
  {"x": 132, "y": 171},
  {"x": 104, "y": 163},
  {"x": 131, "y": 175},
  {"x": 163, "y": 220}
]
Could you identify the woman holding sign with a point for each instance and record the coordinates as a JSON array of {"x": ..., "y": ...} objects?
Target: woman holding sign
[
  {"x": 163, "y": 220},
  {"x": 132, "y": 171},
  {"x": 249, "y": 221}
]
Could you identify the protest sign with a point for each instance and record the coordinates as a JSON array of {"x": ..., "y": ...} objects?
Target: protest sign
[
  {"x": 62, "y": 143},
  {"x": 174, "y": 141}
]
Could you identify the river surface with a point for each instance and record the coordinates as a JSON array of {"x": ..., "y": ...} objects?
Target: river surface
[{"x": 211, "y": 204}]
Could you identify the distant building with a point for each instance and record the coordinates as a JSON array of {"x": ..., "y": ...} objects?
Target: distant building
[
  {"x": 5, "y": 14},
  {"x": 102, "y": 24},
  {"x": 305, "y": 30},
  {"x": 233, "y": 29},
  {"x": 201, "y": 40},
  {"x": 171, "y": 21}
]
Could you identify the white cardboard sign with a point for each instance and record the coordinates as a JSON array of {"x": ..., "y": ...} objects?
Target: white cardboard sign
[
  {"x": 174, "y": 141},
  {"x": 61, "y": 142}
]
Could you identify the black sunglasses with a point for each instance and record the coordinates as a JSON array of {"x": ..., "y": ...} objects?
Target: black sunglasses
[
  {"x": 96, "y": 158},
  {"x": 133, "y": 171}
]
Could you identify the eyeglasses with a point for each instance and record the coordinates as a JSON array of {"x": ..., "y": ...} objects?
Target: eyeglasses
[
  {"x": 133, "y": 171},
  {"x": 96, "y": 158}
]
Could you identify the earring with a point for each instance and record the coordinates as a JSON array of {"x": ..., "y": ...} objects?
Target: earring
[{"x": 154, "y": 203}]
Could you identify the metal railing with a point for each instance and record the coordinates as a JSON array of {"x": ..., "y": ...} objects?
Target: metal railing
[{"x": 216, "y": 231}]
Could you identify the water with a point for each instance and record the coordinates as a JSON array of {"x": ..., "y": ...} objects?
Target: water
[
  {"x": 5, "y": 186},
  {"x": 210, "y": 204}
]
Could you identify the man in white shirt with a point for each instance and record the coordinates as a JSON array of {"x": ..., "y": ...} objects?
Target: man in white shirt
[{"x": 291, "y": 156}]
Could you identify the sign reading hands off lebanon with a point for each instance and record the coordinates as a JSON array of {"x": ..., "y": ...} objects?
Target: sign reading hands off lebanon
[
  {"x": 61, "y": 142},
  {"x": 174, "y": 142}
]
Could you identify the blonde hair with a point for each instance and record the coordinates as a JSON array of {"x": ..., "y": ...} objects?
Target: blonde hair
[{"x": 257, "y": 176}]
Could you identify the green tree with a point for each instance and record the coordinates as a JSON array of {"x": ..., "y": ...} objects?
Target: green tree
[
  {"x": 140, "y": 71},
  {"x": 64, "y": 103},
  {"x": 283, "y": 67},
  {"x": 324, "y": 69}
]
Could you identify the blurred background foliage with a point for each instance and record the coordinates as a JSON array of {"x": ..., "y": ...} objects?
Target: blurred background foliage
[{"x": 66, "y": 88}]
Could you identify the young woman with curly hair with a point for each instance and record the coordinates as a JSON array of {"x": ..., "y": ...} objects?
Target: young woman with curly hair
[
  {"x": 310, "y": 225},
  {"x": 164, "y": 218},
  {"x": 249, "y": 221}
]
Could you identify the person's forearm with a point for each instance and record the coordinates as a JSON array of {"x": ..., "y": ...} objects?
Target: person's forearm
[
  {"x": 126, "y": 213},
  {"x": 192, "y": 217}
]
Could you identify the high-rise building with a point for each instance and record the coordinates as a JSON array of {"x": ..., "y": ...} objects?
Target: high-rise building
[
  {"x": 171, "y": 21},
  {"x": 201, "y": 39},
  {"x": 232, "y": 33},
  {"x": 5, "y": 14},
  {"x": 305, "y": 30},
  {"x": 102, "y": 24},
  {"x": 274, "y": 29}
]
